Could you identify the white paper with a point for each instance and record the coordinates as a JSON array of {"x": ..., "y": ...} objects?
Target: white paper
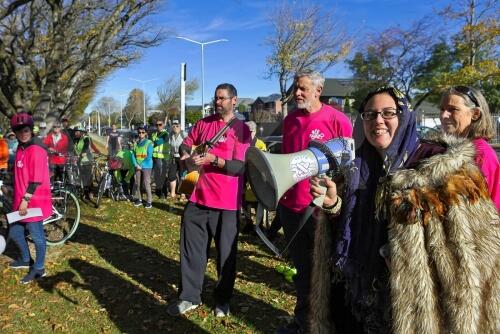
[{"x": 15, "y": 216}]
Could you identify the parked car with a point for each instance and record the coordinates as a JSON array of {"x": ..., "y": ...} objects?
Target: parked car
[
  {"x": 127, "y": 135},
  {"x": 273, "y": 143},
  {"x": 426, "y": 132}
]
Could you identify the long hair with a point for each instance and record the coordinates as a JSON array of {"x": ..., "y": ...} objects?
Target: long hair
[{"x": 483, "y": 126}]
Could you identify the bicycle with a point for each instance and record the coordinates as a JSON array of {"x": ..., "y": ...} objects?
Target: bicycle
[
  {"x": 71, "y": 175},
  {"x": 98, "y": 168},
  {"x": 60, "y": 225},
  {"x": 109, "y": 184}
]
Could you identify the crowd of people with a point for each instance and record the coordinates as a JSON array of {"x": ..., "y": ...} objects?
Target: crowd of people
[{"x": 407, "y": 241}]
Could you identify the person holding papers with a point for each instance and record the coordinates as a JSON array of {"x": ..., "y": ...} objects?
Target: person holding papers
[{"x": 31, "y": 190}]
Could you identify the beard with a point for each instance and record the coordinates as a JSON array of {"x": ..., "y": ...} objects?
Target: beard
[{"x": 304, "y": 105}]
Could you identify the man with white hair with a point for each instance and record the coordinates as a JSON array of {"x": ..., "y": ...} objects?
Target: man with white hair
[{"x": 311, "y": 120}]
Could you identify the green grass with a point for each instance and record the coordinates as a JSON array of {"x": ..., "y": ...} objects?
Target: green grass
[{"x": 120, "y": 271}]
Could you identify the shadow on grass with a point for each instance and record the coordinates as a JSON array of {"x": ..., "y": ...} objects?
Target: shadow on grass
[
  {"x": 169, "y": 207},
  {"x": 132, "y": 309},
  {"x": 157, "y": 274}
]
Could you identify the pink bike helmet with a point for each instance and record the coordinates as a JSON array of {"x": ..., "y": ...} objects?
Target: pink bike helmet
[{"x": 21, "y": 120}]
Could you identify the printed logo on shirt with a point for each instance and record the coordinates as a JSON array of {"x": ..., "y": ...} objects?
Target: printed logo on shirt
[
  {"x": 222, "y": 139},
  {"x": 316, "y": 134}
]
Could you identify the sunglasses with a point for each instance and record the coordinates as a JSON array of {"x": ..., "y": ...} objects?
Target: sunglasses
[
  {"x": 386, "y": 113},
  {"x": 159, "y": 124},
  {"x": 464, "y": 90},
  {"x": 142, "y": 132}
]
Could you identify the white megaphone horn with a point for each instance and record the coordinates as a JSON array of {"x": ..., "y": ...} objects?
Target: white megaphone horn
[{"x": 271, "y": 175}]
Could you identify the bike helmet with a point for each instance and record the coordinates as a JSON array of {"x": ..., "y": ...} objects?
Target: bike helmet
[{"x": 21, "y": 120}]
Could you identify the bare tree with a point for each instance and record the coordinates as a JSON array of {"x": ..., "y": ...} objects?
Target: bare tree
[
  {"x": 394, "y": 57},
  {"x": 8, "y": 8},
  {"x": 108, "y": 106},
  {"x": 54, "y": 53},
  {"x": 305, "y": 37},
  {"x": 169, "y": 95},
  {"x": 133, "y": 110},
  {"x": 479, "y": 31}
]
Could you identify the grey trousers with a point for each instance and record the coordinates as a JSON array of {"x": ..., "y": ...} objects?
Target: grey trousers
[
  {"x": 160, "y": 170},
  {"x": 142, "y": 182}
]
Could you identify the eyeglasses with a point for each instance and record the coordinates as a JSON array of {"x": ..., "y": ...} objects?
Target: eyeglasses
[
  {"x": 466, "y": 91},
  {"x": 142, "y": 132},
  {"x": 222, "y": 98},
  {"x": 386, "y": 113}
]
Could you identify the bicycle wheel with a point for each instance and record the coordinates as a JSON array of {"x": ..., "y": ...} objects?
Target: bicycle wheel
[
  {"x": 101, "y": 190},
  {"x": 97, "y": 173},
  {"x": 4, "y": 225},
  {"x": 65, "y": 217}
]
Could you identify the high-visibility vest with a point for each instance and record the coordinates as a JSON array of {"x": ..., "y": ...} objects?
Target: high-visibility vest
[
  {"x": 161, "y": 151},
  {"x": 141, "y": 151},
  {"x": 87, "y": 156}
]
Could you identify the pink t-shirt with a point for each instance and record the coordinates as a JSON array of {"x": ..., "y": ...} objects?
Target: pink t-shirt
[
  {"x": 299, "y": 128},
  {"x": 486, "y": 159},
  {"x": 31, "y": 164},
  {"x": 216, "y": 189}
]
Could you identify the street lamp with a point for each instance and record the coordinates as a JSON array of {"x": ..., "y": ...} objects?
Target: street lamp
[
  {"x": 143, "y": 95},
  {"x": 202, "y": 65},
  {"x": 121, "y": 108}
]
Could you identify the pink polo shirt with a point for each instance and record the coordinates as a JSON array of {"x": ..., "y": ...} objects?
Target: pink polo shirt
[
  {"x": 216, "y": 189},
  {"x": 487, "y": 160},
  {"x": 31, "y": 164},
  {"x": 299, "y": 128}
]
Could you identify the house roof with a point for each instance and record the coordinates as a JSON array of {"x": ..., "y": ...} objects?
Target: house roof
[
  {"x": 334, "y": 88},
  {"x": 245, "y": 100},
  {"x": 270, "y": 98},
  {"x": 338, "y": 87}
]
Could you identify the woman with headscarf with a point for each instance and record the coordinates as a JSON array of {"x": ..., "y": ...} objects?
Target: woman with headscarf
[
  {"x": 411, "y": 242},
  {"x": 465, "y": 113}
]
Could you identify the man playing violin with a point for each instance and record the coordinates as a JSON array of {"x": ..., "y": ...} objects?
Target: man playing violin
[{"x": 212, "y": 210}]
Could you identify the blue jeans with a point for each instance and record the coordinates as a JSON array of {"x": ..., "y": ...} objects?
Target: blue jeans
[{"x": 16, "y": 233}]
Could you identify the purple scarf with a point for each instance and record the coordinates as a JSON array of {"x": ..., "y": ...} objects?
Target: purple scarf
[{"x": 360, "y": 233}]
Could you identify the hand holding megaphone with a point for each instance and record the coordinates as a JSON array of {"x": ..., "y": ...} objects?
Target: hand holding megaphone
[{"x": 324, "y": 190}]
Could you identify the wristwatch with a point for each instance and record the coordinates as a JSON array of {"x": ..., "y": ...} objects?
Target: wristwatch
[
  {"x": 215, "y": 162},
  {"x": 26, "y": 198}
]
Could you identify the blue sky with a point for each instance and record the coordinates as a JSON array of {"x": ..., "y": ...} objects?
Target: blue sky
[{"x": 241, "y": 60}]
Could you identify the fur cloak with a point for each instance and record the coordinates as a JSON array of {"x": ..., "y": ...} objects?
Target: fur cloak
[{"x": 444, "y": 241}]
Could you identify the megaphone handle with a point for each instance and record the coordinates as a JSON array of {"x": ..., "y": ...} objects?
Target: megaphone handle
[{"x": 318, "y": 201}]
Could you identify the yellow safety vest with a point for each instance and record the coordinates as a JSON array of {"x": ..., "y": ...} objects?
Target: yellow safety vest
[{"x": 161, "y": 151}]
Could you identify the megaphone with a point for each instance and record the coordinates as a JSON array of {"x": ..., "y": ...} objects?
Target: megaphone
[{"x": 271, "y": 175}]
